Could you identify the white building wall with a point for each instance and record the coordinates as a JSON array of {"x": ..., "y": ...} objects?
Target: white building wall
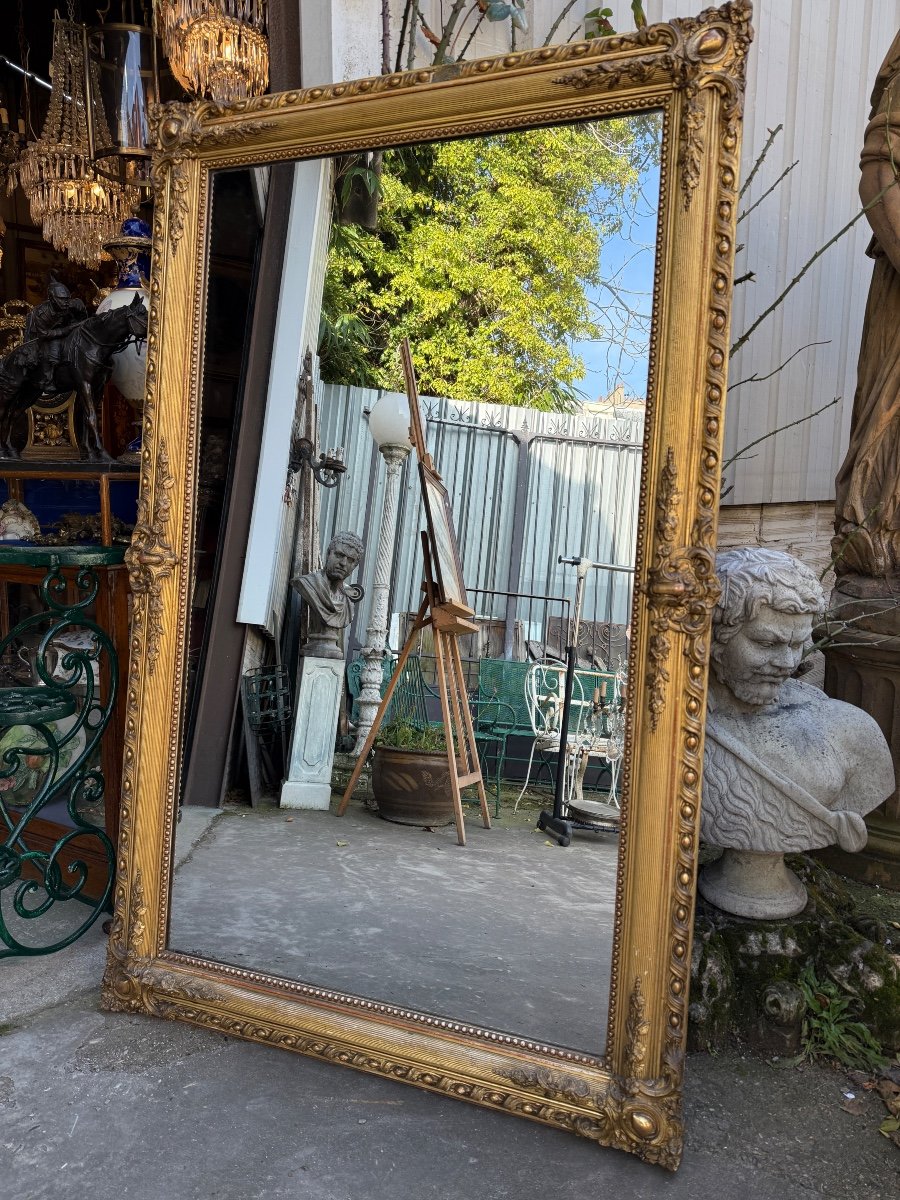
[
  {"x": 296, "y": 329},
  {"x": 811, "y": 69}
]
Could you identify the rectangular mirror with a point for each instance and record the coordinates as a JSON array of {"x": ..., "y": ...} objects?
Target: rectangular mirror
[{"x": 578, "y": 203}]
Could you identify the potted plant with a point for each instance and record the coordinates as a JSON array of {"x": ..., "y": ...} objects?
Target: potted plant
[{"x": 411, "y": 776}]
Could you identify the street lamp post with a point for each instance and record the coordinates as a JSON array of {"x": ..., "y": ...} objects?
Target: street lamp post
[{"x": 389, "y": 426}]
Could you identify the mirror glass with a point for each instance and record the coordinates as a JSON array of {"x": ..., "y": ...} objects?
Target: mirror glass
[{"x": 521, "y": 269}]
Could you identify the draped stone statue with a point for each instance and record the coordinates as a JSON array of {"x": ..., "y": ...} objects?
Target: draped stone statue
[
  {"x": 863, "y": 665},
  {"x": 867, "y": 510},
  {"x": 329, "y": 598},
  {"x": 786, "y": 768}
]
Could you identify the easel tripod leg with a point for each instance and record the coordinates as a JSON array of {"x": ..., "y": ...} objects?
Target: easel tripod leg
[
  {"x": 471, "y": 752},
  {"x": 382, "y": 709},
  {"x": 440, "y": 650}
]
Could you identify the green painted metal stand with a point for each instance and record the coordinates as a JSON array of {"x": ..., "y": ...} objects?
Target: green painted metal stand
[{"x": 33, "y": 881}]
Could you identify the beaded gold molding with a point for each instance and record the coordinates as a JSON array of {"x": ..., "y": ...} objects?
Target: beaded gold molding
[{"x": 692, "y": 71}]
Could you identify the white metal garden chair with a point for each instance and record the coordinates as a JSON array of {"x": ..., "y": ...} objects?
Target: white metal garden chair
[
  {"x": 602, "y": 735},
  {"x": 544, "y": 693}
]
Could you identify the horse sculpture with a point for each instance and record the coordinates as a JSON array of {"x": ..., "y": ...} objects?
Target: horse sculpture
[{"x": 78, "y": 361}]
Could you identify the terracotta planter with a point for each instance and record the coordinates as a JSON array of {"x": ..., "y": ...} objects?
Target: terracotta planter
[{"x": 412, "y": 787}]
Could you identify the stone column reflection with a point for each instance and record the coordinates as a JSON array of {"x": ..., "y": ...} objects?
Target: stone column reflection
[{"x": 377, "y": 630}]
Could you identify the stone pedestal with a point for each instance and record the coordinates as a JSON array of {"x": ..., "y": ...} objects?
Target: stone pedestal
[
  {"x": 746, "y": 974},
  {"x": 308, "y": 784},
  {"x": 749, "y": 884},
  {"x": 863, "y": 668}
]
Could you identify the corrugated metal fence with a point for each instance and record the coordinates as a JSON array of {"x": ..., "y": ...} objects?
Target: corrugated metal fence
[{"x": 526, "y": 487}]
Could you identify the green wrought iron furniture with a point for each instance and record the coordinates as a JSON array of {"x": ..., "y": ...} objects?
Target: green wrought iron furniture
[
  {"x": 50, "y": 732},
  {"x": 354, "y": 681},
  {"x": 493, "y": 718},
  {"x": 493, "y": 721}
]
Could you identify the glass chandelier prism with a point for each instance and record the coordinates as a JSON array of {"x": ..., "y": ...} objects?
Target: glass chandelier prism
[
  {"x": 76, "y": 211},
  {"x": 216, "y": 48}
]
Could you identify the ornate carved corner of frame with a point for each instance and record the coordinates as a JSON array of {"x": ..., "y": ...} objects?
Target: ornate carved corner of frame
[
  {"x": 708, "y": 51},
  {"x": 150, "y": 558},
  {"x": 178, "y": 131},
  {"x": 650, "y": 1108},
  {"x": 123, "y": 988},
  {"x": 133, "y": 982},
  {"x": 682, "y": 589},
  {"x": 634, "y": 1113}
]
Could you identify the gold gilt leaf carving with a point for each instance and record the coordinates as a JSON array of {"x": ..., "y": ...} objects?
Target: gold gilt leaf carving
[
  {"x": 637, "y": 1030},
  {"x": 682, "y": 590},
  {"x": 708, "y": 51},
  {"x": 131, "y": 982},
  {"x": 595, "y": 1125},
  {"x": 150, "y": 557},
  {"x": 177, "y": 131},
  {"x": 642, "y": 1116},
  {"x": 122, "y": 990}
]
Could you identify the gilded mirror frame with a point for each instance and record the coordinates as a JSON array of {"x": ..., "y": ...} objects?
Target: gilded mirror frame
[{"x": 691, "y": 70}]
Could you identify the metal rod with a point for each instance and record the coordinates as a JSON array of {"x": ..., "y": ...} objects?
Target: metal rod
[
  {"x": 14, "y": 66},
  {"x": 517, "y": 541},
  {"x": 595, "y": 566},
  {"x": 564, "y": 735}
]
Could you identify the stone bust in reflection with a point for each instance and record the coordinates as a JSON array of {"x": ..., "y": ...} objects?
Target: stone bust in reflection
[
  {"x": 329, "y": 598},
  {"x": 786, "y": 768}
]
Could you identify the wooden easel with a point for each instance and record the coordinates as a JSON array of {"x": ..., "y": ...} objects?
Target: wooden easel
[
  {"x": 449, "y": 620},
  {"x": 447, "y": 627}
]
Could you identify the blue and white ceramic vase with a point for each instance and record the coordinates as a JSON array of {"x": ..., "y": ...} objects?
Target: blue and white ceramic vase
[{"x": 131, "y": 249}]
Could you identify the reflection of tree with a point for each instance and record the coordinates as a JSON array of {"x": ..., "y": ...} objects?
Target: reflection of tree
[
  {"x": 486, "y": 254},
  {"x": 625, "y": 310}
]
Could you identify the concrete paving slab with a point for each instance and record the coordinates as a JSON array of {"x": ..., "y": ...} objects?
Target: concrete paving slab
[
  {"x": 194, "y": 822},
  {"x": 114, "y": 1106},
  {"x": 28, "y": 985},
  {"x": 408, "y": 917}
]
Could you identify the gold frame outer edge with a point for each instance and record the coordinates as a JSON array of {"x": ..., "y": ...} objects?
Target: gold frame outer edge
[{"x": 692, "y": 69}]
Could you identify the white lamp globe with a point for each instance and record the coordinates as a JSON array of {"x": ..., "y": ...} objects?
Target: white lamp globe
[{"x": 389, "y": 420}]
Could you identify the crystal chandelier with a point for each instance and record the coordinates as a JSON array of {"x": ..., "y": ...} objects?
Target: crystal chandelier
[
  {"x": 216, "y": 48},
  {"x": 77, "y": 212}
]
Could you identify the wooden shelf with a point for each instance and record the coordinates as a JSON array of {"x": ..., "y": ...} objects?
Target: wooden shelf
[{"x": 14, "y": 468}]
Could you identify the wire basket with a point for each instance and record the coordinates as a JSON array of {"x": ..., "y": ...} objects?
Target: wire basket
[{"x": 266, "y": 693}]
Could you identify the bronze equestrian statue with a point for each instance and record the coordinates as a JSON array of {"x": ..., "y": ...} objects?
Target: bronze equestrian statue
[{"x": 66, "y": 351}]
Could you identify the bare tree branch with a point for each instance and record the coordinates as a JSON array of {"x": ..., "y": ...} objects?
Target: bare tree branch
[
  {"x": 475, "y": 28},
  {"x": 745, "y": 337},
  {"x": 773, "y": 134},
  {"x": 781, "y": 429},
  {"x": 447, "y": 32},
  {"x": 404, "y": 27},
  {"x": 761, "y": 378},
  {"x": 385, "y": 37},
  {"x": 417, "y": 16},
  {"x": 767, "y": 192},
  {"x": 559, "y": 20}
]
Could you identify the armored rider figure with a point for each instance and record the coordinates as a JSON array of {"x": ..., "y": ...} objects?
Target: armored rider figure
[{"x": 56, "y": 315}]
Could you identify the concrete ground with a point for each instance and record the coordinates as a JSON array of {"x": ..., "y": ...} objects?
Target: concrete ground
[
  {"x": 110, "y": 1106},
  {"x": 407, "y": 916}
]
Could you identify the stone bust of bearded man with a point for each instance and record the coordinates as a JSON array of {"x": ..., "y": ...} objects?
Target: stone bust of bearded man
[
  {"x": 329, "y": 598},
  {"x": 786, "y": 768}
]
